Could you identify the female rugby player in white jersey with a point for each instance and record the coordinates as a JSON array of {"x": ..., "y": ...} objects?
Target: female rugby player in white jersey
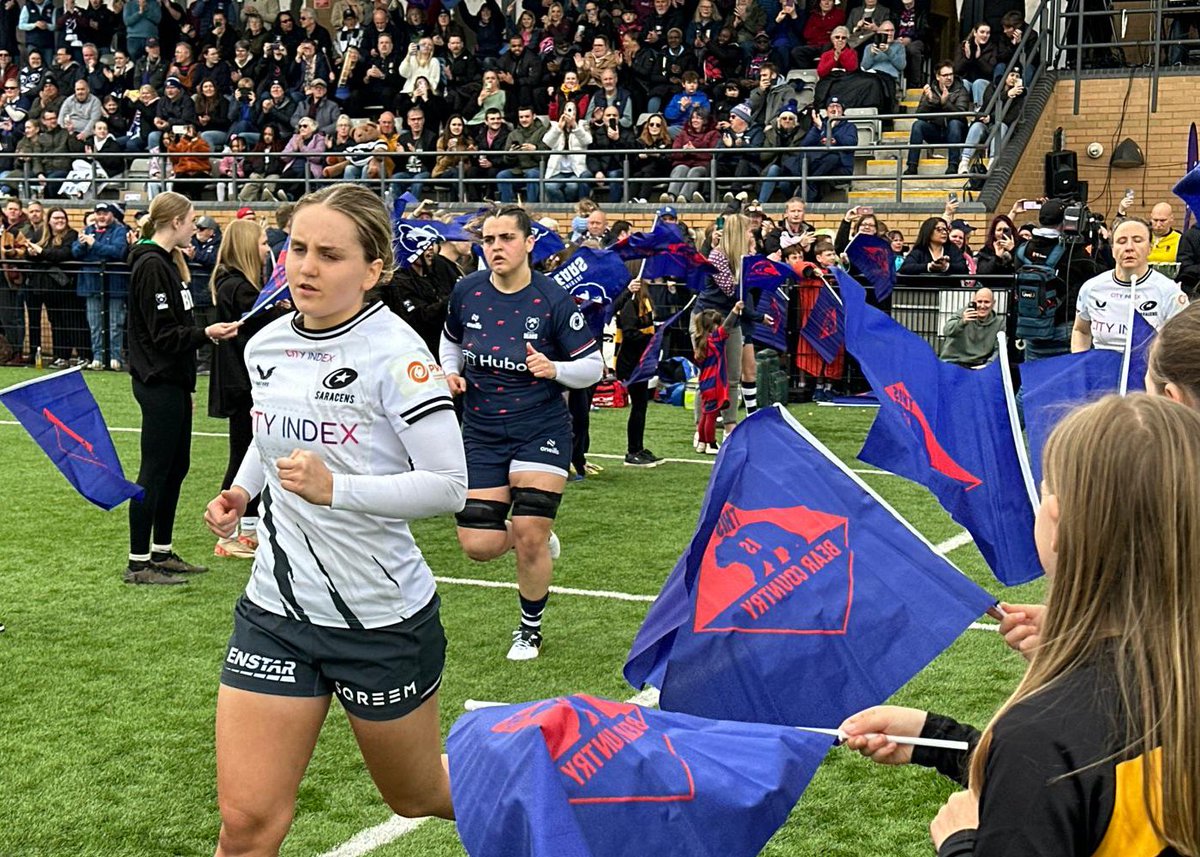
[{"x": 354, "y": 435}]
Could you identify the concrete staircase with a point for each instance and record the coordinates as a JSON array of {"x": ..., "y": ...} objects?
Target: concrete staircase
[{"x": 886, "y": 162}]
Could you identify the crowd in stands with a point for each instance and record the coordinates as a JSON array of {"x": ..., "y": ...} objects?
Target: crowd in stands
[{"x": 251, "y": 99}]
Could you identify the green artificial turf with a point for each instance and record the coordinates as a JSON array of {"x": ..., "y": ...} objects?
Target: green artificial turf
[{"x": 108, "y": 691}]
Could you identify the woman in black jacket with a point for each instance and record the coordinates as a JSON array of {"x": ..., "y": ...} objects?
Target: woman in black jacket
[
  {"x": 235, "y": 286},
  {"x": 607, "y": 134},
  {"x": 932, "y": 253},
  {"x": 634, "y": 312},
  {"x": 68, "y": 321},
  {"x": 654, "y": 162},
  {"x": 162, "y": 364}
]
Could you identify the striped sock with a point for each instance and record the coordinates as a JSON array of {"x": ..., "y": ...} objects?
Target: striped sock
[
  {"x": 531, "y": 612},
  {"x": 750, "y": 397}
]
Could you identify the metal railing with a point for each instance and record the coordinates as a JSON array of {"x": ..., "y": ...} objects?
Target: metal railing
[{"x": 1073, "y": 38}]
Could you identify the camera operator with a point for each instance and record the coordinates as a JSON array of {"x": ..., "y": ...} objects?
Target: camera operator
[
  {"x": 1074, "y": 267},
  {"x": 970, "y": 339}
]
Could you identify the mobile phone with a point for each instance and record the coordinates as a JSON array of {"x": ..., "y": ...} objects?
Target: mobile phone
[
  {"x": 1031, "y": 204},
  {"x": 881, "y": 38},
  {"x": 971, "y": 305},
  {"x": 1129, "y": 193},
  {"x": 612, "y": 123},
  {"x": 721, "y": 222},
  {"x": 178, "y": 129},
  {"x": 864, "y": 210},
  {"x": 952, "y": 196}
]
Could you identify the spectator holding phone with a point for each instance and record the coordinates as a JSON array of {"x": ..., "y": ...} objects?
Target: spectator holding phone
[
  {"x": 864, "y": 22},
  {"x": 998, "y": 253},
  {"x": 887, "y": 58},
  {"x": 970, "y": 339}
]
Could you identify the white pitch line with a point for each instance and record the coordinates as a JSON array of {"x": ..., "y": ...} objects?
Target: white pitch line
[
  {"x": 366, "y": 841},
  {"x": 954, "y": 543},
  {"x": 559, "y": 590}
]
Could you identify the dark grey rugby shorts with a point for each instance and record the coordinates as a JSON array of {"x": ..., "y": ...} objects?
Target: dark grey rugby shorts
[{"x": 376, "y": 674}]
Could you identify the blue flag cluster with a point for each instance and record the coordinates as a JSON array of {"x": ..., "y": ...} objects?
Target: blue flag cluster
[
  {"x": 62, "y": 416},
  {"x": 769, "y": 279},
  {"x": 872, "y": 257},
  {"x": 825, "y": 327},
  {"x": 580, "y": 776},
  {"x": 946, "y": 428},
  {"x": 802, "y": 598},
  {"x": 1051, "y": 388}
]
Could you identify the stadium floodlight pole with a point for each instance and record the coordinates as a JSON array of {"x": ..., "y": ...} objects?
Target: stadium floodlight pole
[{"x": 938, "y": 743}]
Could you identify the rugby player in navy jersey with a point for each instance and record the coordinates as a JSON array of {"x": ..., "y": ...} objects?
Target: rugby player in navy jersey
[{"x": 514, "y": 339}]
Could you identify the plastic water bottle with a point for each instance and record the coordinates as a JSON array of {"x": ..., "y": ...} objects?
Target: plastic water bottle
[{"x": 37, "y": 358}]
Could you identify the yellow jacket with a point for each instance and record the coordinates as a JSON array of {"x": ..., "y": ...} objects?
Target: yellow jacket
[{"x": 1163, "y": 250}]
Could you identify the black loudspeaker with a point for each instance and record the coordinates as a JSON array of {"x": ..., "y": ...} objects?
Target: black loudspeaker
[{"x": 1062, "y": 175}]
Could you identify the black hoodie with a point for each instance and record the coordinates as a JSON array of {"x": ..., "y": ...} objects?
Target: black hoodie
[
  {"x": 229, "y": 387},
  {"x": 163, "y": 337}
]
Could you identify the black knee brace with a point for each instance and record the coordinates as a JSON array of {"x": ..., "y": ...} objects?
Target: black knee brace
[
  {"x": 535, "y": 502},
  {"x": 483, "y": 515}
]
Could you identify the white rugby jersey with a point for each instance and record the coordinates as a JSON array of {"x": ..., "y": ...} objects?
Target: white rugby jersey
[
  {"x": 370, "y": 400},
  {"x": 1104, "y": 303}
]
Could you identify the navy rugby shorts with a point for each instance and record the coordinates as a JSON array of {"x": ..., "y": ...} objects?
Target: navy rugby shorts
[
  {"x": 376, "y": 674},
  {"x": 496, "y": 448}
]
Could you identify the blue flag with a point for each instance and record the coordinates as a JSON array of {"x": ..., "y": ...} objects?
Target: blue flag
[
  {"x": 768, "y": 278},
  {"x": 1052, "y": 388},
  {"x": 276, "y": 288},
  {"x": 947, "y": 428},
  {"x": 579, "y": 776},
  {"x": 60, "y": 413},
  {"x": 647, "y": 366},
  {"x": 643, "y": 245},
  {"x": 411, "y": 238},
  {"x": 802, "y": 597},
  {"x": 667, "y": 254},
  {"x": 403, "y": 201},
  {"x": 766, "y": 275},
  {"x": 872, "y": 257},
  {"x": 1188, "y": 189},
  {"x": 825, "y": 327},
  {"x": 547, "y": 242},
  {"x": 593, "y": 276},
  {"x": 448, "y": 231}
]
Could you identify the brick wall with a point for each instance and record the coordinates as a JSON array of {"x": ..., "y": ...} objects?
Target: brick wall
[{"x": 1162, "y": 136}]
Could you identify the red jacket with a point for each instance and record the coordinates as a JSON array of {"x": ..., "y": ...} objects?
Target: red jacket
[
  {"x": 706, "y": 139},
  {"x": 819, "y": 27},
  {"x": 847, "y": 61}
]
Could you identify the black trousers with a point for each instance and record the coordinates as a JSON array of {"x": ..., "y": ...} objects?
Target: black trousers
[
  {"x": 635, "y": 429},
  {"x": 579, "y": 403},
  {"x": 166, "y": 457},
  {"x": 241, "y": 435}
]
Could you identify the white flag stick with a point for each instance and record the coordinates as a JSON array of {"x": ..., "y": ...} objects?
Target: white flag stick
[
  {"x": 1128, "y": 352},
  {"x": 1014, "y": 422},
  {"x": 939, "y": 743}
]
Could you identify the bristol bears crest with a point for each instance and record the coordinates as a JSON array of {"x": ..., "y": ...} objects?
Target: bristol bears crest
[
  {"x": 776, "y": 571},
  {"x": 598, "y": 745}
]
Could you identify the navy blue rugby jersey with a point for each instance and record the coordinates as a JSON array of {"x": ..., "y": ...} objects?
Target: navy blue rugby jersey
[{"x": 493, "y": 330}]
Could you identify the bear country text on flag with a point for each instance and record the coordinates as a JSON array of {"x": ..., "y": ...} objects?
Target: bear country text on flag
[
  {"x": 802, "y": 597},
  {"x": 580, "y": 776}
]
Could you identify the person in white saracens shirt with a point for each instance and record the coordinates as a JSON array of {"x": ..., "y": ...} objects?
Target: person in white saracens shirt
[
  {"x": 354, "y": 436},
  {"x": 1103, "y": 315}
]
